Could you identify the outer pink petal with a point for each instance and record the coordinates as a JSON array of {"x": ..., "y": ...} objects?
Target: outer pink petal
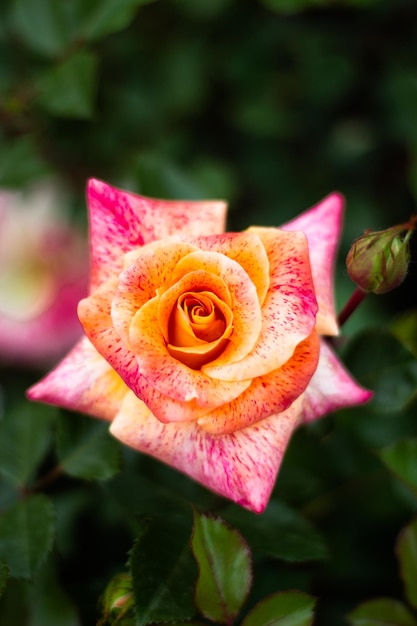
[
  {"x": 241, "y": 466},
  {"x": 331, "y": 387},
  {"x": 83, "y": 382},
  {"x": 322, "y": 225},
  {"x": 121, "y": 221}
]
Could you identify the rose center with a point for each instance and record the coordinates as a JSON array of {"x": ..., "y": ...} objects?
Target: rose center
[{"x": 199, "y": 327}]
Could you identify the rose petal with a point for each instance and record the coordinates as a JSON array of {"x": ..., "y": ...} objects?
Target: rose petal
[
  {"x": 197, "y": 339},
  {"x": 322, "y": 225},
  {"x": 246, "y": 249},
  {"x": 150, "y": 269},
  {"x": 191, "y": 393},
  {"x": 247, "y": 318},
  {"x": 168, "y": 375},
  {"x": 268, "y": 394},
  {"x": 83, "y": 382},
  {"x": 241, "y": 466},
  {"x": 331, "y": 387},
  {"x": 288, "y": 313},
  {"x": 121, "y": 221},
  {"x": 199, "y": 279}
]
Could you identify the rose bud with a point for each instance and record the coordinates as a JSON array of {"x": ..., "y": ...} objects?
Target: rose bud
[
  {"x": 378, "y": 261},
  {"x": 117, "y": 601}
]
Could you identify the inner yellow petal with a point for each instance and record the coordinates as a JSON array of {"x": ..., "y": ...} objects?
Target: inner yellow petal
[{"x": 199, "y": 327}]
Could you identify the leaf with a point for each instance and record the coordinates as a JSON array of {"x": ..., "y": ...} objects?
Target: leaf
[
  {"x": 108, "y": 16},
  {"x": 43, "y": 25},
  {"x": 4, "y": 577},
  {"x": 279, "y": 531},
  {"x": 381, "y": 612},
  {"x": 407, "y": 556},
  {"x": 50, "y": 605},
  {"x": 404, "y": 329},
  {"x": 68, "y": 89},
  {"x": 386, "y": 367},
  {"x": 163, "y": 572},
  {"x": 25, "y": 435},
  {"x": 225, "y": 569},
  {"x": 291, "y": 608},
  {"x": 400, "y": 458},
  {"x": 26, "y": 534},
  {"x": 86, "y": 449},
  {"x": 20, "y": 162}
]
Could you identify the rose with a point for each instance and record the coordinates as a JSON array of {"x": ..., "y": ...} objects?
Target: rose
[
  {"x": 42, "y": 277},
  {"x": 203, "y": 347}
]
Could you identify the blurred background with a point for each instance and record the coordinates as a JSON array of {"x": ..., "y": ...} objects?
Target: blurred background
[{"x": 269, "y": 104}]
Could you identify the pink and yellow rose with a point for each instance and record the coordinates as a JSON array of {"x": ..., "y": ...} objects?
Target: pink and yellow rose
[{"x": 205, "y": 349}]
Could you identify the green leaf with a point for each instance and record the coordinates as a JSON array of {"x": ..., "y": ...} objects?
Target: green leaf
[
  {"x": 20, "y": 162},
  {"x": 386, "y": 367},
  {"x": 43, "y": 25},
  {"x": 163, "y": 572},
  {"x": 407, "y": 556},
  {"x": 108, "y": 16},
  {"x": 381, "y": 612},
  {"x": 25, "y": 435},
  {"x": 291, "y": 608},
  {"x": 404, "y": 329},
  {"x": 68, "y": 89},
  {"x": 26, "y": 534},
  {"x": 85, "y": 448},
  {"x": 279, "y": 531},
  {"x": 50, "y": 605},
  {"x": 225, "y": 569},
  {"x": 400, "y": 458},
  {"x": 4, "y": 577}
]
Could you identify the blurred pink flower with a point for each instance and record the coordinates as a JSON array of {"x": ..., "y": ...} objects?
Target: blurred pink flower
[{"x": 43, "y": 275}]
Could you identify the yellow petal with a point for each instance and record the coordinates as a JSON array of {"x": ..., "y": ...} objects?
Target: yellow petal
[
  {"x": 244, "y": 303},
  {"x": 138, "y": 283},
  {"x": 269, "y": 394},
  {"x": 288, "y": 312},
  {"x": 169, "y": 376}
]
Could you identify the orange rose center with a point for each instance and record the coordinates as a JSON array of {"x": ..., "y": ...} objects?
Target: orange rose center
[{"x": 199, "y": 327}]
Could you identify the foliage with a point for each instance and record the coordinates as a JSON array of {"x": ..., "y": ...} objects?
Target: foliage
[{"x": 270, "y": 104}]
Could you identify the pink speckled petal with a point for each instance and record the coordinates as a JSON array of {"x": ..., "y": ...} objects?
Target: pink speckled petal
[
  {"x": 241, "y": 466},
  {"x": 150, "y": 270},
  {"x": 121, "y": 221},
  {"x": 83, "y": 382},
  {"x": 268, "y": 394},
  {"x": 246, "y": 249},
  {"x": 182, "y": 393},
  {"x": 322, "y": 225},
  {"x": 331, "y": 387},
  {"x": 170, "y": 377},
  {"x": 288, "y": 312}
]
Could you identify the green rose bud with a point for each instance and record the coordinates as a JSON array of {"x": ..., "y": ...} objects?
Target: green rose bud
[
  {"x": 378, "y": 261},
  {"x": 117, "y": 603}
]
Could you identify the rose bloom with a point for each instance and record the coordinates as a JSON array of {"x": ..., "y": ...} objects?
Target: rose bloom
[
  {"x": 42, "y": 277},
  {"x": 205, "y": 349}
]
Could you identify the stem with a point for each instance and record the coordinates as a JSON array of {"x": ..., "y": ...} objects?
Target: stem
[
  {"x": 45, "y": 480},
  {"x": 351, "y": 305}
]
